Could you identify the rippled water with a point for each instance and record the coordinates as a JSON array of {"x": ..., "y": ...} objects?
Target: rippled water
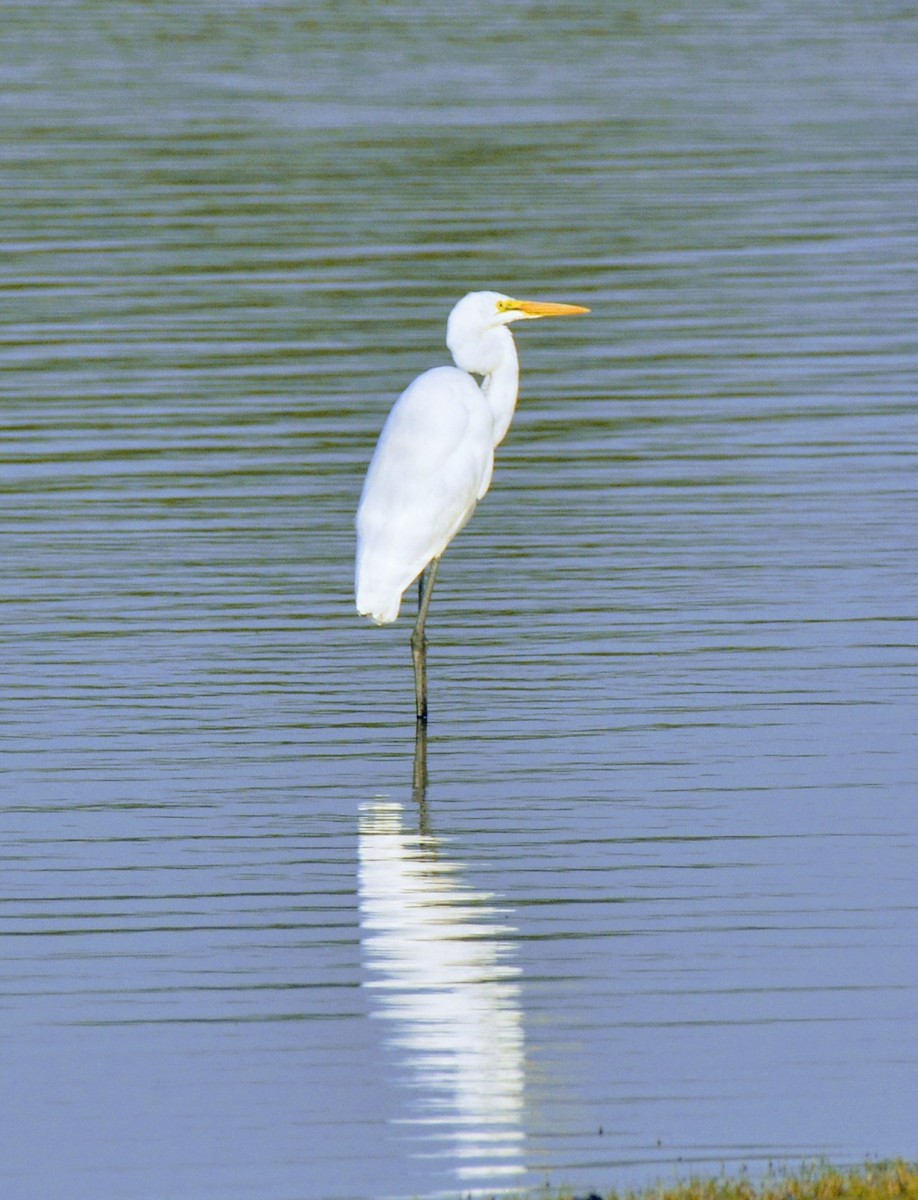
[{"x": 646, "y": 901}]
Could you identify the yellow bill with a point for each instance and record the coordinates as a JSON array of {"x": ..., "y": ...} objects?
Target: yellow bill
[{"x": 539, "y": 308}]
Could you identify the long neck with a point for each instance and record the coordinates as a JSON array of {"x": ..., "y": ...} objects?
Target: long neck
[{"x": 501, "y": 387}]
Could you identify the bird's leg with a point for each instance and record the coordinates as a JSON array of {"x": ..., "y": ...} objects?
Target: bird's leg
[
  {"x": 419, "y": 778},
  {"x": 418, "y": 639}
]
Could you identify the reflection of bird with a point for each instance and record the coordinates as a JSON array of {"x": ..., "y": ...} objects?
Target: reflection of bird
[
  {"x": 434, "y": 459},
  {"x": 439, "y": 959}
]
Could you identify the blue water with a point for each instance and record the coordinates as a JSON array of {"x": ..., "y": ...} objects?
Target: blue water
[{"x": 653, "y": 910}]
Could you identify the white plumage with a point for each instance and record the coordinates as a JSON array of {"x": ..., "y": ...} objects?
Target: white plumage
[
  {"x": 434, "y": 459},
  {"x": 432, "y": 465}
]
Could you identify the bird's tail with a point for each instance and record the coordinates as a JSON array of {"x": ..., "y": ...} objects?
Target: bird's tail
[{"x": 382, "y": 604}]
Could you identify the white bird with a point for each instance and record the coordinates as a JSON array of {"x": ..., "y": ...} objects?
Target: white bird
[{"x": 434, "y": 459}]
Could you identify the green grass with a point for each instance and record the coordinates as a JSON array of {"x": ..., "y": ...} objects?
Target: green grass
[{"x": 893, "y": 1180}]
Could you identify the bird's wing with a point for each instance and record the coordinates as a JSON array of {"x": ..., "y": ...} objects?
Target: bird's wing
[{"x": 431, "y": 465}]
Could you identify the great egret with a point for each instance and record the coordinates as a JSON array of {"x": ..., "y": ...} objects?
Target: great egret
[{"x": 434, "y": 459}]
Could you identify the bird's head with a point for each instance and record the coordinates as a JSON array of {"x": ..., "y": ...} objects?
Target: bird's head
[{"x": 474, "y": 331}]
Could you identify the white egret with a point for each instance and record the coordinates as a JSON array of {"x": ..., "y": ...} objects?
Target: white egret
[{"x": 434, "y": 459}]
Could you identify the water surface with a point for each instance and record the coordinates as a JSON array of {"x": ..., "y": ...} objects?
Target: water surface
[{"x": 654, "y": 910}]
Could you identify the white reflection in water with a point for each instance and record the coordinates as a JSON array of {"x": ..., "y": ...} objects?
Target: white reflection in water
[{"x": 438, "y": 955}]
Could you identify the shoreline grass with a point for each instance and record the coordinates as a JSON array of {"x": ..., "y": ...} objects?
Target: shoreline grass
[{"x": 891, "y": 1179}]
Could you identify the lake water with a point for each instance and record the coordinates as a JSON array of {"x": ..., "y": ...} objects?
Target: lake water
[{"x": 653, "y": 909}]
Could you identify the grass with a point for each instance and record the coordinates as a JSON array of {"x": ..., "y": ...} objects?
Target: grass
[{"x": 893, "y": 1180}]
